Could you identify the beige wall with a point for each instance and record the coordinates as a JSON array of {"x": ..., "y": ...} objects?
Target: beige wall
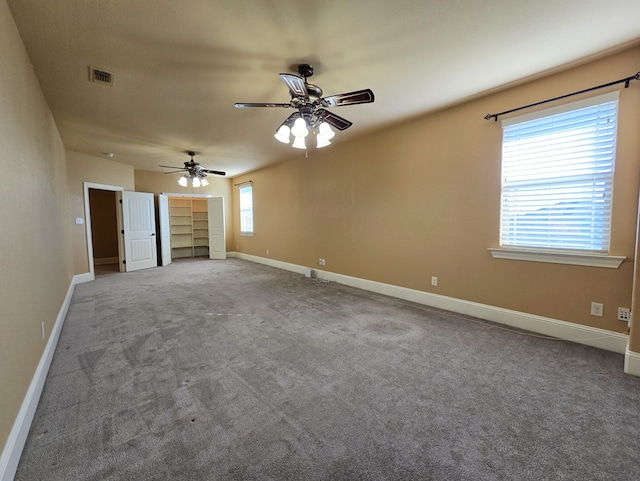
[
  {"x": 86, "y": 168},
  {"x": 159, "y": 182},
  {"x": 422, "y": 199},
  {"x": 35, "y": 263}
]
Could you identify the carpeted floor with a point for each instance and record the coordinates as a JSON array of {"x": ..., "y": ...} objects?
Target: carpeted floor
[{"x": 230, "y": 370}]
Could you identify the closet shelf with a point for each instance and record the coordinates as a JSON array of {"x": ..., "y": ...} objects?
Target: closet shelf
[{"x": 189, "y": 226}]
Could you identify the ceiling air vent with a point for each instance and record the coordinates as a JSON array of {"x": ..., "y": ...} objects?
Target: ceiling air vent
[{"x": 100, "y": 75}]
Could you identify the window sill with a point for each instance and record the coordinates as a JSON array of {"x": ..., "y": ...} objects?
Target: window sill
[
  {"x": 572, "y": 258},
  {"x": 250, "y": 234}
]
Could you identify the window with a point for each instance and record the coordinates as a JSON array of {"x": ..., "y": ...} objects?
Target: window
[
  {"x": 557, "y": 177},
  {"x": 246, "y": 209}
]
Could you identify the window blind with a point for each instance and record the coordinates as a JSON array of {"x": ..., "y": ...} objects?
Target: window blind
[
  {"x": 557, "y": 177},
  {"x": 246, "y": 209}
]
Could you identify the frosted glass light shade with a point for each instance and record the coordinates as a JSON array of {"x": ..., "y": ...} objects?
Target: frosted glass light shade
[
  {"x": 320, "y": 142},
  {"x": 283, "y": 134},
  {"x": 195, "y": 182},
  {"x": 300, "y": 128},
  {"x": 325, "y": 132},
  {"x": 204, "y": 182},
  {"x": 299, "y": 143},
  {"x": 182, "y": 181}
]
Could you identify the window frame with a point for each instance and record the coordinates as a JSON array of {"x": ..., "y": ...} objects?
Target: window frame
[
  {"x": 574, "y": 255},
  {"x": 248, "y": 210}
]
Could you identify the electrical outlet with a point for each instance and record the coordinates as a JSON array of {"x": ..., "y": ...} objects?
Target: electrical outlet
[
  {"x": 597, "y": 309},
  {"x": 321, "y": 262},
  {"x": 267, "y": 251},
  {"x": 624, "y": 314},
  {"x": 434, "y": 281},
  {"x": 42, "y": 330}
]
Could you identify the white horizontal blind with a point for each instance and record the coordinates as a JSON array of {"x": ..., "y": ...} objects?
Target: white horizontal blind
[
  {"x": 246, "y": 209},
  {"x": 557, "y": 177}
]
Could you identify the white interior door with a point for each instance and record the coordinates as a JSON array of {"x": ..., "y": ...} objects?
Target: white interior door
[
  {"x": 138, "y": 216},
  {"x": 165, "y": 229},
  {"x": 217, "y": 240}
]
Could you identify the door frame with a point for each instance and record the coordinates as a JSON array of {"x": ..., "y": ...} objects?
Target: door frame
[
  {"x": 87, "y": 222},
  {"x": 164, "y": 228},
  {"x": 215, "y": 206},
  {"x": 196, "y": 196}
]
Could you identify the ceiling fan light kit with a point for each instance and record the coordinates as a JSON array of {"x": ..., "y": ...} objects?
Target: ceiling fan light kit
[
  {"x": 194, "y": 172},
  {"x": 311, "y": 116},
  {"x": 301, "y": 129}
]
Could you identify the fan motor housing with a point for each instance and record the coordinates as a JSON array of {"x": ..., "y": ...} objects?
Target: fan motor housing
[{"x": 314, "y": 91}]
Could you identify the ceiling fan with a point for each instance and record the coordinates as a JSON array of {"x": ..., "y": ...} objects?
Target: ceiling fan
[
  {"x": 194, "y": 172},
  {"x": 311, "y": 115}
]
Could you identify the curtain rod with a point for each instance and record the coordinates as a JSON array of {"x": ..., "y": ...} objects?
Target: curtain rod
[
  {"x": 626, "y": 85},
  {"x": 245, "y": 182}
]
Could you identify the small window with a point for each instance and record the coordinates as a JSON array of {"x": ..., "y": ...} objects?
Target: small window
[
  {"x": 246, "y": 209},
  {"x": 557, "y": 177}
]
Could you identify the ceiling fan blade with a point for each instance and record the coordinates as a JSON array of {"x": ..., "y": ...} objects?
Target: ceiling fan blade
[
  {"x": 249, "y": 105},
  {"x": 171, "y": 167},
  {"x": 333, "y": 119},
  {"x": 296, "y": 85},
  {"x": 289, "y": 120},
  {"x": 216, "y": 172},
  {"x": 351, "y": 98},
  {"x": 175, "y": 171}
]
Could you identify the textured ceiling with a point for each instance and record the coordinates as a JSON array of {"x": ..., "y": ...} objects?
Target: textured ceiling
[{"x": 180, "y": 66}]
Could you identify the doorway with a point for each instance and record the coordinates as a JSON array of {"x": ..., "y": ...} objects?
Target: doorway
[
  {"x": 104, "y": 231},
  {"x": 87, "y": 187},
  {"x": 191, "y": 225},
  {"x": 135, "y": 228}
]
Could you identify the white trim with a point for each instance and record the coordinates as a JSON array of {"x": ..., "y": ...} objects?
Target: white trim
[
  {"x": 591, "y": 336},
  {"x": 572, "y": 258},
  {"x": 632, "y": 362},
  {"x": 270, "y": 262},
  {"x": 87, "y": 217},
  {"x": 79, "y": 279},
  {"x": 20, "y": 430},
  {"x": 86, "y": 277}
]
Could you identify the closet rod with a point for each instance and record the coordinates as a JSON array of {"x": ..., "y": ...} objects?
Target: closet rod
[
  {"x": 626, "y": 85},
  {"x": 242, "y": 183}
]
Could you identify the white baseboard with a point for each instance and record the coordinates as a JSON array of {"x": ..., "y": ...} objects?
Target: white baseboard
[
  {"x": 80, "y": 278},
  {"x": 270, "y": 262},
  {"x": 632, "y": 362},
  {"x": 18, "y": 435},
  {"x": 591, "y": 336}
]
